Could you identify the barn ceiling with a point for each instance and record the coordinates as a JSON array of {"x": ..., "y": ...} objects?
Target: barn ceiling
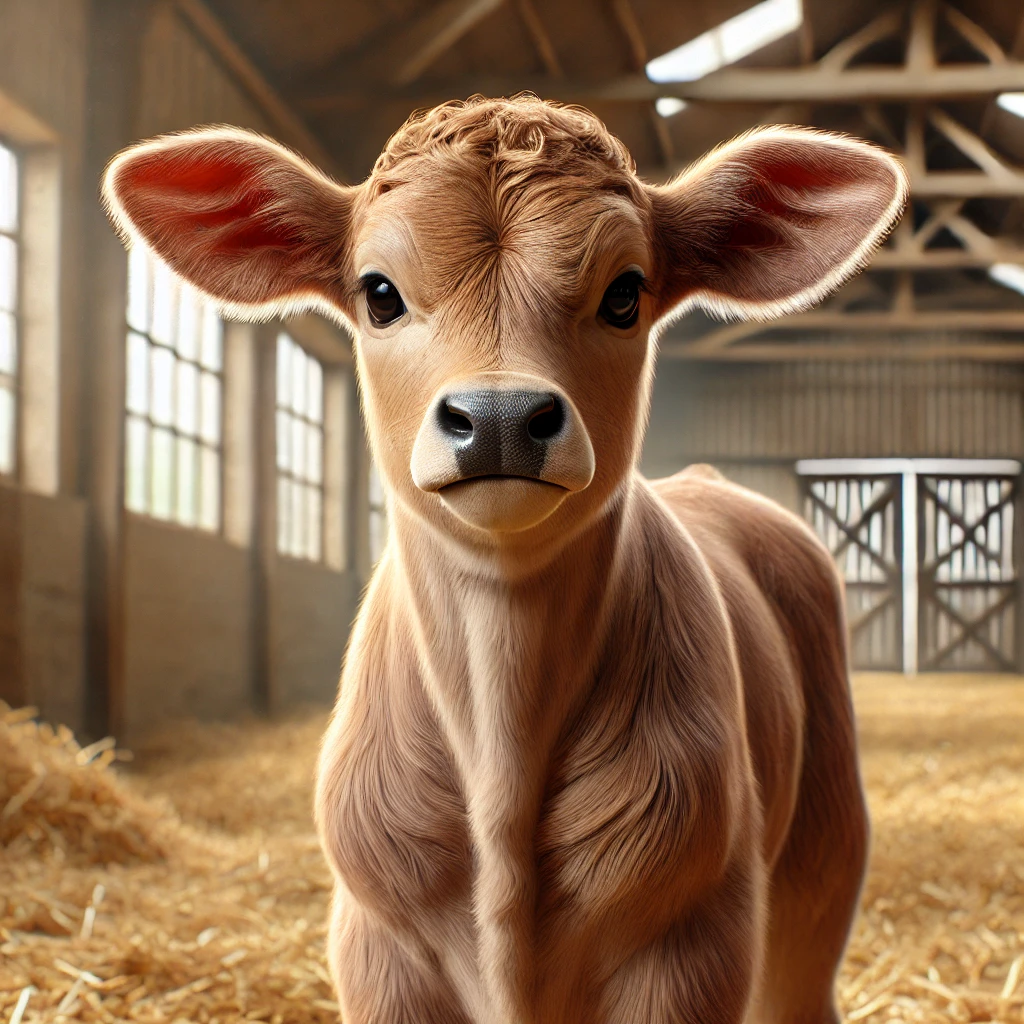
[{"x": 918, "y": 76}]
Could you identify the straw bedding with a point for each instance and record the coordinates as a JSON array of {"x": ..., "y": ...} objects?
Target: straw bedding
[{"x": 188, "y": 886}]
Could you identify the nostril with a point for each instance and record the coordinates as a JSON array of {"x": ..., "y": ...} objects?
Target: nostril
[
  {"x": 454, "y": 421},
  {"x": 547, "y": 421}
]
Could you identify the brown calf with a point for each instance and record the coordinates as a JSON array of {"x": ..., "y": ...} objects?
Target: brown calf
[{"x": 593, "y": 757}]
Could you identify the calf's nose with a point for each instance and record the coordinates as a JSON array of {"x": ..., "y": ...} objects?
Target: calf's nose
[
  {"x": 498, "y": 432},
  {"x": 510, "y": 425}
]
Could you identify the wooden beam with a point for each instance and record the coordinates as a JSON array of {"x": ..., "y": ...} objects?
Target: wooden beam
[
  {"x": 629, "y": 28},
  {"x": 848, "y": 351},
  {"x": 921, "y": 37},
  {"x": 419, "y": 44},
  {"x": 541, "y": 39},
  {"x": 285, "y": 123},
  {"x": 881, "y": 27},
  {"x": 731, "y": 85},
  {"x": 965, "y": 185},
  {"x": 945, "y": 259},
  {"x": 723, "y": 339}
]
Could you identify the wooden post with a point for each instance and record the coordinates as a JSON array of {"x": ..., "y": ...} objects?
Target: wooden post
[
  {"x": 264, "y": 549},
  {"x": 113, "y": 52}
]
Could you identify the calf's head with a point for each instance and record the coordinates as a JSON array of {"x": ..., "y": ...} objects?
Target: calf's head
[{"x": 505, "y": 273}]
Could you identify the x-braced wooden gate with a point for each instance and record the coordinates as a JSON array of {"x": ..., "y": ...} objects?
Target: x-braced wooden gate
[
  {"x": 860, "y": 520},
  {"x": 967, "y": 577}
]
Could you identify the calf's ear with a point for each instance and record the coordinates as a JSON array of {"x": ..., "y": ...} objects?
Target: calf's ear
[
  {"x": 241, "y": 218},
  {"x": 773, "y": 221}
]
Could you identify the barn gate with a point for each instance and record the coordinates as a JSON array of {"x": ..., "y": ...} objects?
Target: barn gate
[{"x": 928, "y": 551}]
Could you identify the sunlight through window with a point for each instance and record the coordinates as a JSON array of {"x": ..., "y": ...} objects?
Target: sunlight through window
[
  {"x": 300, "y": 451},
  {"x": 1009, "y": 275},
  {"x": 378, "y": 515},
  {"x": 8, "y": 310},
  {"x": 173, "y": 397},
  {"x": 725, "y": 44},
  {"x": 1012, "y": 101}
]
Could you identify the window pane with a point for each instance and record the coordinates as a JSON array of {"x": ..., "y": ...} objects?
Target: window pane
[
  {"x": 283, "y": 370},
  {"x": 139, "y": 274},
  {"x": 313, "y": 524},
  {"x": 316, "y": 391},
  {"x": 284, "y": 509},
  {"x": 161, "y": 479},
  {"x": 213, "y": 332},
  {"x": 8, "y": 190},
  {"x": 8, "y": 352},
  {"x": 187, "y": 399},
  {"x": 188, "y": 322},
  {"x": 209, "y": 399},
  {"x": 6, "y": 430},
  {"x": 136, "y": 452},
  {"x": 314, "y": 456},
  {"x": 298, "y": 545},
  {"x": 137, "y": 376},
  {"x": 284, "y": 438},
  {"x": 161, "y": 384},
  {"x": 165, "y": 290},
  {"x": 8, "y": 273},
  {"x": 185, "y": 512},
  {"x": 209, "y": 490},
  {"x": 298, "y": 386},
  {"x": 298, "y": 448}
]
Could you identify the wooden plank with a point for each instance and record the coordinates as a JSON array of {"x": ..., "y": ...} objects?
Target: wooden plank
[
  {"x": 415, "y": 48},
  {"x": 292, "y": 129},
  {"x": 717, "y": 342},
  {"x": 850, "y": 352},
  {"x": 732, "y": 85}
]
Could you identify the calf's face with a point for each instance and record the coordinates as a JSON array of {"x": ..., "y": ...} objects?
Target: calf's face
[
  {"x": 505, "y": 275},
  {"x": 502, "y": 346}
]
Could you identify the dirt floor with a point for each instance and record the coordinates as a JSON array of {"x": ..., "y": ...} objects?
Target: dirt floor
[{"x": 188, "y": 886}]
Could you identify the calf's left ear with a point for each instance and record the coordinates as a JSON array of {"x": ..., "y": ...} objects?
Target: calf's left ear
[
  {"x": 238, "y": 216},
  {"x": 773, "y": 221}
]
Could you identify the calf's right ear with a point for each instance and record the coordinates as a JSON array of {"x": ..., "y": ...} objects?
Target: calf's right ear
[
  {"x": 773, "y": 221},
  {"x": 241, "y": 218}
]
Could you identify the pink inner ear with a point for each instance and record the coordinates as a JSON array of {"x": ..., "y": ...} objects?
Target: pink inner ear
[{"x": 204, "y": 192}]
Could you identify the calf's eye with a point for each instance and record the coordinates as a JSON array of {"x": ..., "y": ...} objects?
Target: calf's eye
[
  {"x": 620, "y": 306},
  {"x": 383, "y": 302}
]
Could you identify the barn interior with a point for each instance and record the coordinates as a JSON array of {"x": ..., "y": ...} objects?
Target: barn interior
[{"x": 189, "y": 512}]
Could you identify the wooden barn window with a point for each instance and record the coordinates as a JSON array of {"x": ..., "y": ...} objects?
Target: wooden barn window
[
  {"x": 300, "y": 451},
  {"x": 9, "y": 278},
  {"x": 378, "y": 515},
  {"x": 174, "y": 398}
]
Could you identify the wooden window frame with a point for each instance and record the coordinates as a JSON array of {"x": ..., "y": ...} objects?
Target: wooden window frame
[
  {"x": 12, "y": 382},
  {"x": 214, "y": 526},
  {"x": 307, "y": 483}
]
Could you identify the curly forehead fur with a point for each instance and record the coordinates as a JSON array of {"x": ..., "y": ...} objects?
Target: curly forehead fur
[{"x": 523, "y": 137}]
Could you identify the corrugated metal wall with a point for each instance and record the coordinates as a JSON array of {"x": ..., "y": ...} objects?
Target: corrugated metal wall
[{"x": 755, "y": 421}]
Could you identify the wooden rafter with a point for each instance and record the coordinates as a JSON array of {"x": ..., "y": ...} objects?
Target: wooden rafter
[
  {"x": 393, "y": 66},
  {"x": 540, "y": 37},
  {"x": 290, "y": 128},
  {"x": 629, "y": 27}
]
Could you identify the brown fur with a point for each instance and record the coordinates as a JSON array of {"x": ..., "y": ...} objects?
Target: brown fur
[{"x": 599, "y": 768}]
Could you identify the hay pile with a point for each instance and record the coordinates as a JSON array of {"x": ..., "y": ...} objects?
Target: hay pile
[
  {"x": 191, "y": 890},
  {"x": 188, "y": 886},
  {"x": 57, "y": 799},
  {"x": 941, "y": 934}
]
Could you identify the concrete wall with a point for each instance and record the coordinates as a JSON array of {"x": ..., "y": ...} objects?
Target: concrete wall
[
  {"x": 42, "y": 613},
  {"x": 188, "y": 641},
  {"x": 312, "y": 608}
]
